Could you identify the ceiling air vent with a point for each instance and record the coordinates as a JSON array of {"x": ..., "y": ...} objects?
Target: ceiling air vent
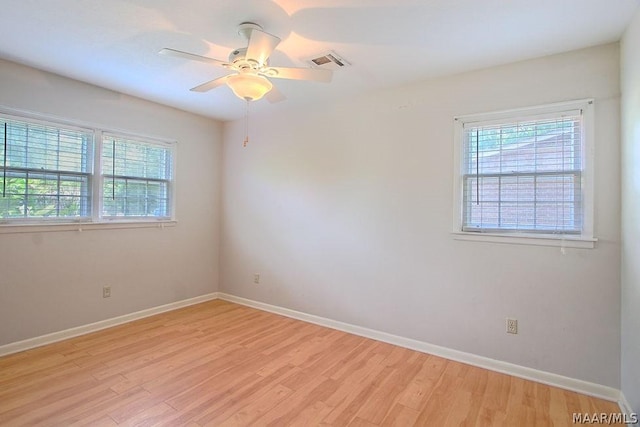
[{"x": 330, "y": 61}]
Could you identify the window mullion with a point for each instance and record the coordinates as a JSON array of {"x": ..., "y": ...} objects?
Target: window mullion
[
  {"x": 146, "y": 195},
  {"x": 97, "y": 183},
  {"x": 58, "y": 195},
  {"x": 26, "y": 147},
  {"x": 58, "y": 149},
  {"x": 26, "y": 195},
  {"x": 535, "y": 201},
  {"x": 576, "y": 165}
]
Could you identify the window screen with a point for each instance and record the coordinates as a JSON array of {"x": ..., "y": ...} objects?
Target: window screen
[
  {"x": 137, "y": 178},
  {"x": 524, "y": 175},
  {"x": 45, "y": 170}
]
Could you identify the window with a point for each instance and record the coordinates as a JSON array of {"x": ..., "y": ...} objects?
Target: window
[
  {"x": 49, "y": 174},
  {"x": 46, "y": 171},
  {"x": 525, "y": 172},
  {"x": 136, "y": 178}
]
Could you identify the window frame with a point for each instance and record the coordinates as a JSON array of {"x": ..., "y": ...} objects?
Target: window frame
[
  {"x": 96, "y": 220},
  {"x": 584, "y": 239}
]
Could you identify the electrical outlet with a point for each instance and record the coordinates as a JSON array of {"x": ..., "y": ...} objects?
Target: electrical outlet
[
  {"x": 512, "y": 326},
  {"x": 256, "y": 278},
  {"x": 106, "y": 291}
]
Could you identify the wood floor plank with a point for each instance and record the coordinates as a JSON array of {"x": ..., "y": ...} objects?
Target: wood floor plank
[
  {"x": 354, "y": 387},
  {"x": 387, "y": 393},
  {"x": 311, "y": 415},
  {"x": 252, "y": 410},
  {"x": 346, "y": 410},
  {"x": 422, "y": 384},
  {"x": 152, "y": 416},
  {"x": 235, "y": 400},
  {"x": 400, "y": 416},
  {"x": 219, "y": 363},
  {"x": 284, "y": 413}
]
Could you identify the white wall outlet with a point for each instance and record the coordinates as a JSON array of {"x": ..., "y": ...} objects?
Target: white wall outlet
[
  {"x": 256, "y": 278},
  {"x": 512, "y": 326},
  {"x": 106, "y": 291}
]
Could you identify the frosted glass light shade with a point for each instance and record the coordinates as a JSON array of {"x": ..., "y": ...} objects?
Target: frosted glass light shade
[{"x": 250, "y": 87}]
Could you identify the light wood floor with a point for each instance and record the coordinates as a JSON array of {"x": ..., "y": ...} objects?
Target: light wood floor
[{"x": 219, "y": 363}]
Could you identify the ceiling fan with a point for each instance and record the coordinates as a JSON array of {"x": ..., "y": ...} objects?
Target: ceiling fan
[{"x": 251, "y": 67}]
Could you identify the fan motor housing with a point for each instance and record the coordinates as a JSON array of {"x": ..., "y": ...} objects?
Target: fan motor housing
[{"x": 238, "y": 58}]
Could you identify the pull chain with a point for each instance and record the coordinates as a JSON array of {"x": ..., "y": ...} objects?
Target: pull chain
[{"x": 246, "y": 126}]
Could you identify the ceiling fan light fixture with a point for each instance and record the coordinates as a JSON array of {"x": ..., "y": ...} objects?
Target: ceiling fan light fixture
[{"x": 247, "y": 86}]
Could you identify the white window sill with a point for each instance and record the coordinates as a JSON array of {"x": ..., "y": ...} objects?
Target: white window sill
[
  {"x": 528, "y": 239},
  {"x": 83, "y": 226}
]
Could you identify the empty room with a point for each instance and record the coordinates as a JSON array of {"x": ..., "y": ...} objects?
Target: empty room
[{"x": 300, "y": 213}]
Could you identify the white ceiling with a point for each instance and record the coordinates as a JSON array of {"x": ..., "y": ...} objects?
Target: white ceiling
[{"x": 114, "y": 43}]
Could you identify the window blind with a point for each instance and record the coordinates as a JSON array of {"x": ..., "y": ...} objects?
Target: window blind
[
  {"x": 136, "y": 178},
  {"x": 46, "y": 170},
  {"x": 524, "y": 175}
]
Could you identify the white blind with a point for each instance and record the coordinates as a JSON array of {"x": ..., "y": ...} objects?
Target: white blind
[
  {"x": 46, "y": 170},
  {"x": 136, "y": 178},
  {"x": 524, "y": 175}
]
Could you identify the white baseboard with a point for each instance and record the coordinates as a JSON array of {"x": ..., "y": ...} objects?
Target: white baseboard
[
  {"x": 103, "y": 324},
  {"x": 584, "y": 387},
  {"x": 624, "y": 405}
]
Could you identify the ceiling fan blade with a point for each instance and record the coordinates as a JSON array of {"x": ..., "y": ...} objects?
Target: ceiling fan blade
[
  {"x": 274, "y": 95},
  {"x": 191, "y": 56},
  {"x": 212, "y": 84},
  {"x": 313, "y": 74},
  {"x": 261, "y": 45}
]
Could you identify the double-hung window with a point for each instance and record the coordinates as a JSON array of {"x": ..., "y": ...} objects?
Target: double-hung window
[
  {"x": 56, "y": 172},
  {"x": 136, "y": 178},
  {"x": 526, "y": 174},
  {"x": 46, "y": 170}
]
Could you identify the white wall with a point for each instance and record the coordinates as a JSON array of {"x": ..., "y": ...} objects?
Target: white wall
[
  {"x": 630, "y": 83},
  {"x": 53, "y": 281},
  {"x": 346, "y": 211}
]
